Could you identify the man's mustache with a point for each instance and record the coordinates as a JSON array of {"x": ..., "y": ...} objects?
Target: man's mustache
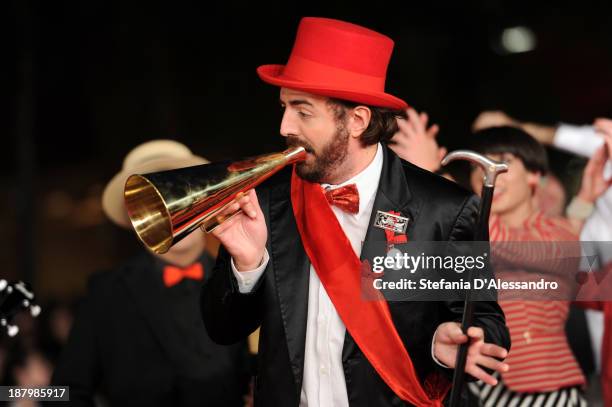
[{"x": 293, "y": 141}]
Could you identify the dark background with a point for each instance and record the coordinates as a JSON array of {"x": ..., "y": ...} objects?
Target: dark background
[{"x": 86, "y": 81}]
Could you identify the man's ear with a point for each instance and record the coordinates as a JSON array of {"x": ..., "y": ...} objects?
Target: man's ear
[{"x": 359, "y": 120}]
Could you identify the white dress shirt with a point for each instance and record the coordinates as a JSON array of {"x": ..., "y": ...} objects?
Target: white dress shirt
[{"x": 584, "y": 141}]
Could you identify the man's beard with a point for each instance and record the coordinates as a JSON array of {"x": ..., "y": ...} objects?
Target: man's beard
[{"x": 327, "y": 160}]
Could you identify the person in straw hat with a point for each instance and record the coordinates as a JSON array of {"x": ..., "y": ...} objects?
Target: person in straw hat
[
  {"x": 291, "y": 261},
  {"x": 138, "y": 338}
]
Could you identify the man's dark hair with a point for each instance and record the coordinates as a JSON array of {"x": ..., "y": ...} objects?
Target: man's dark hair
[
  {"x": 511, "y": 140},
  {"x": 383, "y": 124}
]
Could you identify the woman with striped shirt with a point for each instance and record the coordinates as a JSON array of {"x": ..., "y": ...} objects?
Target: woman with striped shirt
[{"x": 543, "y": 370}]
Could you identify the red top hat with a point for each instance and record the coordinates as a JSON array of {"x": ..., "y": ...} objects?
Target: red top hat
[{"x": 337, "y": 59}]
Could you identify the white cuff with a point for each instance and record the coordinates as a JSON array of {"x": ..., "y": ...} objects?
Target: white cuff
[
  {"x": 579, "y": 209},
  {"x": 433, "y": 356},
  {"x": 580, "y": 140},
  {"x": 247, "y": 279}
]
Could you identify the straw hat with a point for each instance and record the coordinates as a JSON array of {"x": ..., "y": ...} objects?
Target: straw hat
[{"x": 152, "y": 156}]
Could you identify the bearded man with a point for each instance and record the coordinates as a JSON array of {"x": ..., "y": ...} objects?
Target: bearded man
[{"x": 290, "y": 262}]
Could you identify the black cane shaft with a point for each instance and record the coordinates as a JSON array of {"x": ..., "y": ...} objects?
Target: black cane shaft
[
  {"x": 459, "y": 374},
  {"x": 481, "y": 234},
  {"x": 482, "y": 227}
]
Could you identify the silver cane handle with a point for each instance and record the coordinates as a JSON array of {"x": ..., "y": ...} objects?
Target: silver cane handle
[{"x": 490, "y": 167}]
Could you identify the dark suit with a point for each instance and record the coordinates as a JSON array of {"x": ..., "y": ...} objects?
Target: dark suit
[
  {"x": 438, "y": 209},
  {"x": 138, "y": 343}
]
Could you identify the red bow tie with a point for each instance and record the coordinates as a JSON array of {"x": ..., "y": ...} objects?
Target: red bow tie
[
  {"x": 174, "y": 275},
  {"x": 345, "y": 198}
]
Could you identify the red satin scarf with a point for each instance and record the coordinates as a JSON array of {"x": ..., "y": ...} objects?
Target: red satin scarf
[{"x": 338, "y": 268}]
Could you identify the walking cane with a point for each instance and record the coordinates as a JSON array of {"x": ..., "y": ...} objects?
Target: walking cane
[{"x": 491, "y": 170}]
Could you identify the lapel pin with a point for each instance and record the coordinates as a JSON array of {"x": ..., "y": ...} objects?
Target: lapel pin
[{"x": 389, "y": 221}]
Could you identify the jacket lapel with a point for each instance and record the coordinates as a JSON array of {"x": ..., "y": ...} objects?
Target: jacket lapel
[
  {"x": 291, "y": 276},
  {"x": 393, "y": 194}
]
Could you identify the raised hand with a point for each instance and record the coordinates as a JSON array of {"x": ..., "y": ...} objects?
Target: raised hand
[
  {"x": 593, "y": 182},
  {"x": 244, "y": 236},
  {"x": 415, "y": 142}
]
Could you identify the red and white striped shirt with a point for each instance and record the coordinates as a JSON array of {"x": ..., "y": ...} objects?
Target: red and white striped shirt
[{"x": 540, "y": 358}]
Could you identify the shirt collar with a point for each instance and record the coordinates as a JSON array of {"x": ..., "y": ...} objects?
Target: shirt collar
[{"x": 366, "y": 181}]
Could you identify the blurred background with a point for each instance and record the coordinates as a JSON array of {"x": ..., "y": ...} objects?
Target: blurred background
[{"x": 86, "y": 81}]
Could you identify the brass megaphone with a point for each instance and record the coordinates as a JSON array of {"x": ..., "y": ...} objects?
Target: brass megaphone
[{"x": 166, "y": 206}]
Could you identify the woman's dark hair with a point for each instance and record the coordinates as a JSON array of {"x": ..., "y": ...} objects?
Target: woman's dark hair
[
  {"x": 510, "y": 140},
  {"x": 383, "y": 124}
]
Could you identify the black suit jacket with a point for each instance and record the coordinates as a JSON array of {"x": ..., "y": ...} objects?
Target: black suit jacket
[
  {"x": 439, "y": 211},
  {"x": 125, "y": 344}
]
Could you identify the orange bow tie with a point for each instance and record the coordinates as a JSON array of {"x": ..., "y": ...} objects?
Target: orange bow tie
[
  {"x": 345, "y": 198},
  {"x": 174, "y": 275}
]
